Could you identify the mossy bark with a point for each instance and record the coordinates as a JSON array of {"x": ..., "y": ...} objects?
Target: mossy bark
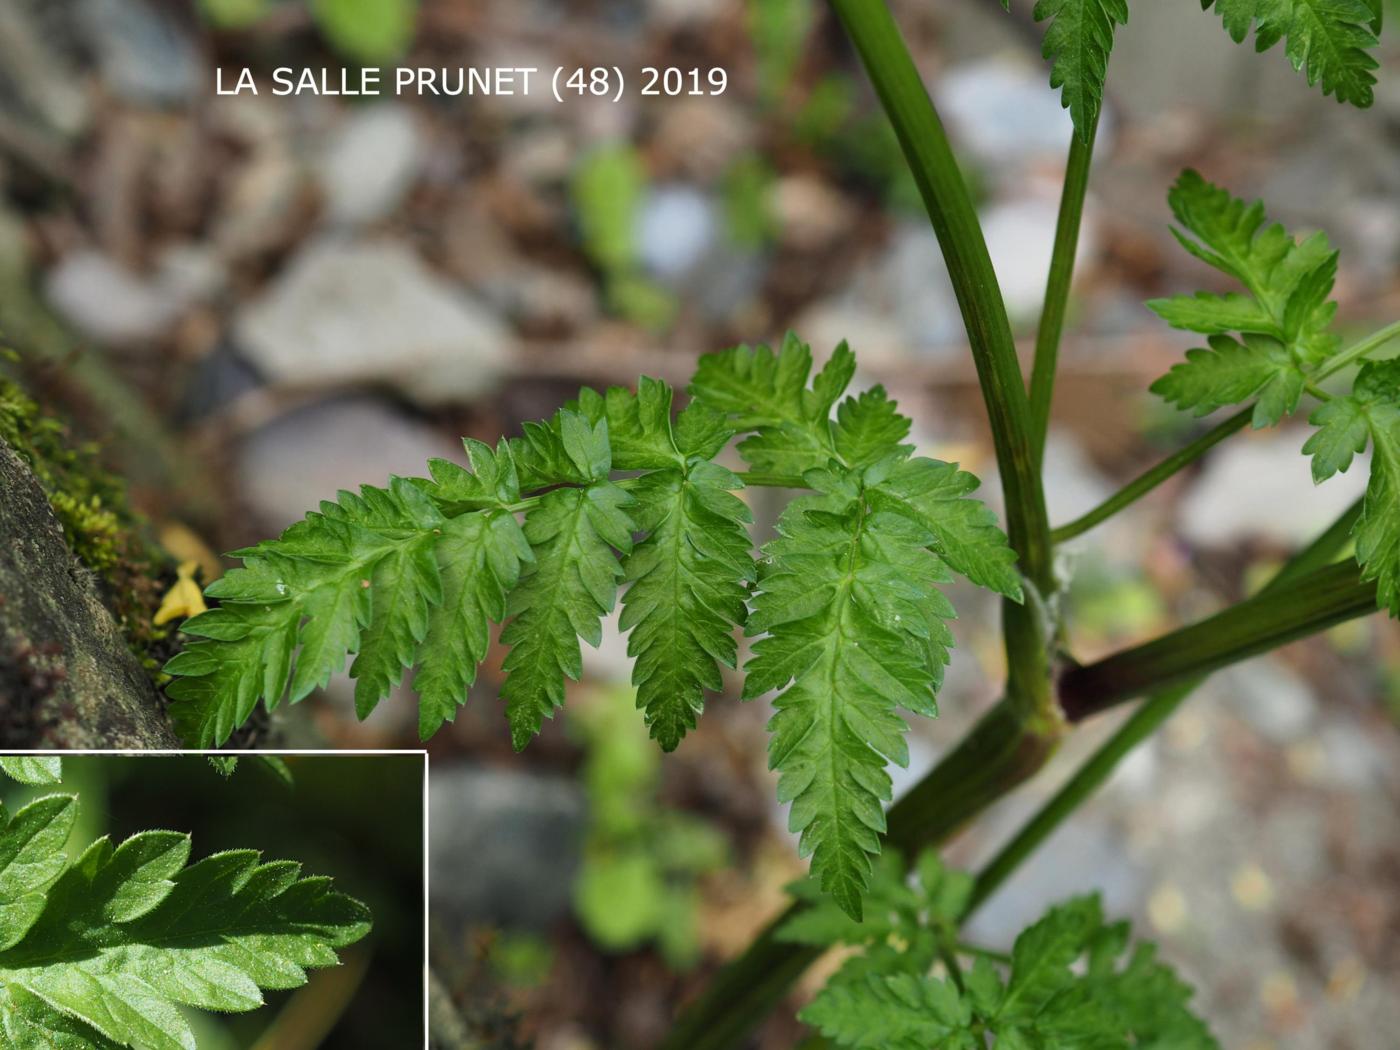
[{"x": 68, "y": 678}]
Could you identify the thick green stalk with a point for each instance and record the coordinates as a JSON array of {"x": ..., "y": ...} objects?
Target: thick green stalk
[
  {"x": 954, "y": 219},
  {"x": 1295, "y": 610},
  {"x": 1052, "y": 317},
  {"x": 930, "y": 157},
  {"x": 1146, "y": 482},
  {"x": 1143, "y": 722},
  {"x": 994, "y": 757}
]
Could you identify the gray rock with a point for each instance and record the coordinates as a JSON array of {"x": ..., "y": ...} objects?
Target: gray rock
[
  {"x": 370, "y": 163},
  {"x": 1073, "y": 485},
  {"x": 1276, "y": 703},
  {"x": 1085, "y": 856},
  {"x": 108, "y": 302},
  {"x": 1280, "y": 501},
  {"x": 308, "y": 455},
  {"x": 1003, "y": 112},
  {"x": 906, "y": 291},
  {"x": 1021, "y": 238},
  {"x": 504, "y": 847},
  {"x": 144, "y": 54},
  {"x": 677, "y": 227},
  {"x": 371, "y": 312},
  {"x": 68, "y": 679}
]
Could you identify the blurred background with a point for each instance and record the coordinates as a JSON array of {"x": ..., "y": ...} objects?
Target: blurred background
[
  {"x": 357, "y": 819},
  {"x": 252, "y": 302}
]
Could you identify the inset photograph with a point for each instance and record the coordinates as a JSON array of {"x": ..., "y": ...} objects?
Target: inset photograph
[{"x": 254, "y": 902}]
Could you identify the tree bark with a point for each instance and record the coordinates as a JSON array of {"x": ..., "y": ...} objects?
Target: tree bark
[{"x": 67, "y": 676}]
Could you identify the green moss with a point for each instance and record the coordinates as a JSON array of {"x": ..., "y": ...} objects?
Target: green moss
[{"x": 91, "y": 506}]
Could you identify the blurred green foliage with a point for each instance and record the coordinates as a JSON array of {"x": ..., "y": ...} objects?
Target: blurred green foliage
[
  {"x": 371, "y": 32},
  {"x": 1107, "y": 604},
  {"x": 779, "y": 31},
  {"x": 608, "y": 188},
  {"x": 234, "y": 14},
  {"x": 641, "y": 859},
  {"x": 747, "y": 193},
  {"x": 368, "y": 31}
]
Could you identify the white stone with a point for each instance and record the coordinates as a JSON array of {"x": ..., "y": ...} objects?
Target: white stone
[
  {"x": 1002, "y": 111},
  {"x": 371, "y": 312},
  {"x": 676, "y": 228},
  {"x": 1021, "y": 239},
  {"x": 109, "y": 303},
  {"x": 370, "y": 163},
  {"x": 288, "y": 466},
  {"x": 1261, "y": 487}
]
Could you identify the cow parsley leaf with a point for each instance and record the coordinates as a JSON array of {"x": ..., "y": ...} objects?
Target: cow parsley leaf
[
  {"x": 104, "y": 951},
  {"x": 767, "y": 393},
  {"x": 1346, "y": 425},
  {"x": 689, "y": 582},
  {"x": 1070, "y": 979},
  {"x": 854, "y": 629},
  {"x": 1078, "y": 41},
  {"x": 1330, "y": 41},
  {"x": 1283, "y": 320},
  {"x": 358, "y": 576}
]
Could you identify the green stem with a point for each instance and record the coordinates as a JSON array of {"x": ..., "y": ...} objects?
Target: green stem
[
  {"x": 954, "y": 219},
  {"x": 1354, "y": 353},
  {"x": 1299, "y": 608},
  {"x": 1146, "y": 482},
  {"x": 1143, "y": 722},
  {"x": 994, "y": 757},
  {"x": 1052, "y": 318}
]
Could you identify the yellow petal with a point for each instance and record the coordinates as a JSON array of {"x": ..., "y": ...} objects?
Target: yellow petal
[{"x": 184, "y": 597}]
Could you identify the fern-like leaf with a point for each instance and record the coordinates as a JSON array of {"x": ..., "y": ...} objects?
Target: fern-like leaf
[
  {"x": 1078, "y": 41},
  {"x": 847, "y": 598},
  {"x": 572, "y": 584},
  {"x": 1329, "y": 41},
  {"x": 1070, "y": 980},
  {"x": 114, "y": 944},
  {"x": 689, "y": 583},
  {"x": 1283, "y": 321},
  {"x": 767, "y": 393},
  {"x": 1369, "y": 415},
  {"x": 360, "y": 567}
]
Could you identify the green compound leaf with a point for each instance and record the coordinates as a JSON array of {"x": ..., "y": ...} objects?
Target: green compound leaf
[
  {"x": 768, "y": 393},
  {"x": 962, "y": 531},
  {"x": 573, "y": 533},
  {"x": 126, "y": 935},
  {"x": 480, "y": 558},
  {"x": 35, "y": 770},
  {"x": 31, "y": 842},
  {"x": 1370, "y": 415},
  {"x": 1078, "y": 41},
  {"x": 896, "y": 908},
  {"x": 1232, "y": 372},
  {"x": 357, "y": 576},
  {"x": 1330, "y": 41},
  {"x": 855, "y": 629},
  {"x": 1070, "y": 981},
  {"x": 689, "y": 584},
  {"x": 1283, "y": 321}
]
